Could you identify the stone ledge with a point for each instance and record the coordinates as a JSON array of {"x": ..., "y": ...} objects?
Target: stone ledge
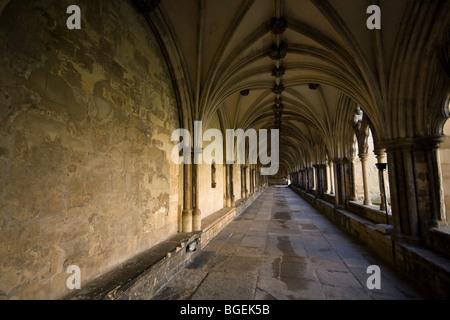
[
  {"x": 372, "y": 213},
  {"x": 384, "y": 228},
  {"x": 329, "y": 197},
  {"x": 214, "y": 223},
  {"x": 142, "y": 276},
  {"x": 427, "y": 269},
  {"x": 431, "y": 270},
  {"x": 439, "y": 239}
]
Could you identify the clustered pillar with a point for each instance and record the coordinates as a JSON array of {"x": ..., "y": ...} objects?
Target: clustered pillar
[
  {"x": 414, "y": 180},
  {"x": 229, "y": 192},
  {"x": 416, "y": 187}
]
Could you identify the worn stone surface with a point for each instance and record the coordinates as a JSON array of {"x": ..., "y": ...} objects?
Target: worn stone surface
[
  {"x": 85, "y": 123},
  {"x": 310, "y": 260}
]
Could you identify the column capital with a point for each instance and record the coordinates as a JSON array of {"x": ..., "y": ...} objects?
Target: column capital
[
  {"x": 363, "y": 156},
  {"x": 380, "y": 153}
]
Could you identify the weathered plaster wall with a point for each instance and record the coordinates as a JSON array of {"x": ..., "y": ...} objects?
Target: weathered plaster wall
[{"x": 85, "y": 123}]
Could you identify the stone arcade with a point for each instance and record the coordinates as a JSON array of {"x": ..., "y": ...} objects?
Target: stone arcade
[{"x": 87, "y": 113}]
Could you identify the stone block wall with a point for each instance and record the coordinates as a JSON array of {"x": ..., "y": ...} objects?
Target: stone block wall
[{"x": 85, "y": 123}]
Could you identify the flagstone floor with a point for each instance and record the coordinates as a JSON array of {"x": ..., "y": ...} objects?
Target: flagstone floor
[{"x": 282, "y": 248}]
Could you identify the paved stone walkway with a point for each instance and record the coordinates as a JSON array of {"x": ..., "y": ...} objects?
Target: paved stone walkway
[{"x": 282, "y": 248}]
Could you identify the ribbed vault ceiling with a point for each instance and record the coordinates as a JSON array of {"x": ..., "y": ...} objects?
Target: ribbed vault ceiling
[{"x": 235, "y": 52}]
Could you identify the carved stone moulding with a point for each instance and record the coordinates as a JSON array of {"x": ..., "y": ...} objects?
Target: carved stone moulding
[
  {"x": 278, "y": 88},
  {"x": 277, "y": 123},
  {"x": 245, "y": 93},
  {"x": 278, "y": 107},
  {"x": 313, "y": 86},
  {"x": 277, "y": 113},
  {"x": 278, "y": 72},
  {"x": 278, "y": 53},
  {"x": 278, "y": 25}
]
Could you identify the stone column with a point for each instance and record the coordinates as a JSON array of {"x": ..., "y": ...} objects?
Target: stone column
[
  {"x": 302, "y": 179},
  {"x": 307, "y": 181},
  {"x": 242, "y": 182},
  {"x": 245, "y": 181},
  {"x": 331, "y": 177},
  {"x": 319, "y": 182},
  {"x": 415, "y": 179},
  {"x": 227, "y": 187},
  {"x": 363, "y": 157},
  {"x": 232, "y": 197},
  {"x": 352, "y": 179},
  {"x": 197, "y": 214},
  {"x": 316, "y": 179},
  {"x": 323, "y": 177},
  {"x": 186, "y": 218},
  {"x": 340, "y": 189},
  {"x": 252, "y": 181},
  {"x": 381, "y": 158},
  {"x": 250, "y": 187}
]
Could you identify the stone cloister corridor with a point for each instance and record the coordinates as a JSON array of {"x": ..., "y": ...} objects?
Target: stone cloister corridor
[
  {"x": 282, "y": 248},
  {"x": 281, "y": 149}
]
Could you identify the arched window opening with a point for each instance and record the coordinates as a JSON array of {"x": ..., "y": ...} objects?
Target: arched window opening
[{"x": 369, "y": 183}]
